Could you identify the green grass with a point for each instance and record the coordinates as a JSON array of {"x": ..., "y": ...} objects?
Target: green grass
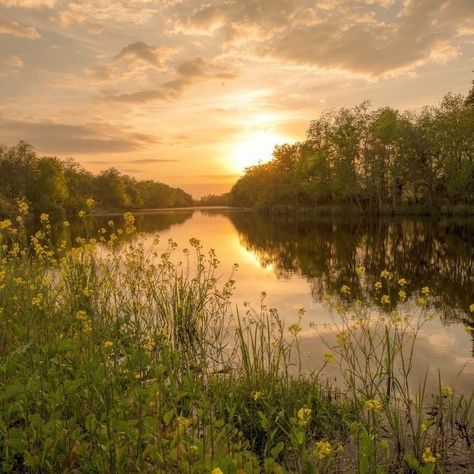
[{"x": 117, "y": 358}]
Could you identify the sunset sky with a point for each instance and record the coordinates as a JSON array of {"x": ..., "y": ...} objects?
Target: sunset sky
[{"x": 190, "y": 92}]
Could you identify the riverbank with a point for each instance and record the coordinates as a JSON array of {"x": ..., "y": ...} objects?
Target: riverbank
[{"x": 131, "y": 361}]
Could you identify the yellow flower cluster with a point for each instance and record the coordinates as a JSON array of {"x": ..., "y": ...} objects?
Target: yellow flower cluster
[
  {"x": 446, "y": 390},
  {"x": 402, "y": 295},
  {"x": 385, "y": 274},
  {"x": 428, "y": 456},
  {"x": 378, "y": 285},
  {"x": 402, "y": 282},
  {"x": 257, "y": 396},
  {"x": 321, "y": 450},
  {"x": 360, "y": 271},
  {"x": 294, "y": 329},
  {"x": 425, "y": 291},
  {"x": 385, "y": 299},
  {"x": 329, "y": 357},
  {"x": 373, "y": 404},
  {"x": 345, "y": 290},
  {"x": 304, "y": 414}
]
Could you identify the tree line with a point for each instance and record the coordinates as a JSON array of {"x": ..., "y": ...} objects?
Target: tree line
[
  {"x": 382, "y": 160},
  {"x": 63, "y": 186}
]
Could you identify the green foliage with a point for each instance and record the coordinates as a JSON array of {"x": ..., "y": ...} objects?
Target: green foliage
[
  {"x": 57, "y": 187},
  {"x": 115, "y": 357},
  {"x": 374, "y": 160}
]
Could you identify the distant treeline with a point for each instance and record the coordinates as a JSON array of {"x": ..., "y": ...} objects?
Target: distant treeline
[
  {"x": 56, "y": 186},
  {"x": 214, "y": 200},
  {"x": 379, "y": 160}
]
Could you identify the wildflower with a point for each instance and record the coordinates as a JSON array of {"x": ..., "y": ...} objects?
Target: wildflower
[
  {"x": 402, "y": 295},
  {"x": 471, "y": 308},
  {"x": 66, "y": 224},
  {"x": 425, "y": 291},
  {"x": 385, "y": 299},
  {"x": 5, "y": 224},
  {"x": 90, "y": 203},
  {"x": 23, "y": 207},
  {"x": 428, "y": 457},
  {"x": 183, "y": 422},
  {"x": 421, "y": 301},
  {"x": 469, "y": 328},
  {"x": 303, "y": 415},
  {"x": 108, "y": 344},
  {"x": 345, "y": 290},
  {"x": 110, "y": 223},
  {"x": 217, "y": 470},
  {"x": 360, "y": 271},
  {"x": 402, "y": 282},
  {"x": 384, "y": 444},
  {"x": 378, "y": 285},
  {"x": 321, "y": 450},
  {"x": 424, "y": 426},
  {"x": 446, "y": 390},
  {"x": 329, "y": 357},
  {"x": 257, "y": 396},
  {"x": 385, "y": 274},
  {"x": 373, "y": 404},
  {"x": 294, "y": 329},
  {"x": 81, "y": 315},
  {"x": 81, "y": 214},
  {"x": 37, "y": 300},
  {"x": 44, "y": 217},
  {"x": 341, "y": 338}
]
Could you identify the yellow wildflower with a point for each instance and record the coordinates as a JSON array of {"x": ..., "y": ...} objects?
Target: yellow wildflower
[
  {"x": 424, "y": 427},
  {"x": 5, "y": 224},
  {"x": 44, "y": 217},
  {"x": 471, "y": 308},
  {"x": 304, "y": 415},
  {"x": 360, "y": 271},
  {"x": 345, "y": 290},
  {"x": 257, "y": 396},
  {"x": 66, "y": 224},
  {"x": 428, "y": 457},
  {"x": 108, "y": 344},
  {"x": 321, "y": 450},
  {"x": 385, "y": 274},
  {"x": 425, "y": 291},
  {"x": 378, "y": 285},
  {"x": 294, "y": 329},
  {"x": 385, "y": 299},
  {"x": 446, "y": 390},
  {"x": 373, "y": 404},
  {"x": 421, "y": 301},
  {"x": 217, "y": 470},
  {"x": 81, "y": 214},
  {"x": 90, "y": 203},
  {"x": 402, "y": 282},
  {"x": 329, "y": 357},
  {"x": 402, "y": 295}
]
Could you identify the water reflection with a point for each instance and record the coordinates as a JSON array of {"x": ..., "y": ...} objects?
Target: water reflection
[{"x": 434, "y": 253}]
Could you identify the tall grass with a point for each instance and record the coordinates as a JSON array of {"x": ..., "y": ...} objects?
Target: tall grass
[{"x": 116, "y": 357}]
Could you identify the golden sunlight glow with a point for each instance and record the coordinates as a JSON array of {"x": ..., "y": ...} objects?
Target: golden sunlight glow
[{"x": 254, "y": 148}]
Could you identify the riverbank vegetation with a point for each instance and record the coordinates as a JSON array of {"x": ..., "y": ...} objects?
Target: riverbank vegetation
[
  {"x": 118, "y": 357},
  {"x": 371, "y": 161},
  {"x": 55, "y": 186}
]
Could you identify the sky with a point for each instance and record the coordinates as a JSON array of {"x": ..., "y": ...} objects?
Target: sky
[{"x": 190, "y": 92}]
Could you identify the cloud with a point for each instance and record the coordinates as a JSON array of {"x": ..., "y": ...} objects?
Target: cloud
[
  {"x": 364, "y": 37},
  {"x": 142, "y": 161},
  {"x": 142, "y": 53},
  {"x": 29, "y": 3},
  {"x": 187, "y": 74},
  {"x": 53, "y": 137},
  {"x": 14, "y": 63},
  {"x": 10, "y": 27}
]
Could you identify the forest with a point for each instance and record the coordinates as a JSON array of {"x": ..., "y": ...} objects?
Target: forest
[
  {"x": 63, "y": 186},
  {"x": 379, "y": 161}
]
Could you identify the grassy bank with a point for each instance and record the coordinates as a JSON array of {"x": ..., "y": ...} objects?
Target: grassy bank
[{"x": 115, "y": 357}]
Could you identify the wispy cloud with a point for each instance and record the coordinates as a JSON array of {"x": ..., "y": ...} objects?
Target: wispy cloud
[{"x": 11, "y": 27}]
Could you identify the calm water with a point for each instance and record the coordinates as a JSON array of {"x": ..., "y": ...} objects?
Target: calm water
[{"x": 296, "y": 261}]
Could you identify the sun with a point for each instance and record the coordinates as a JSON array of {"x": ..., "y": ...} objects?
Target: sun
[{"x": 254, "y": 148}]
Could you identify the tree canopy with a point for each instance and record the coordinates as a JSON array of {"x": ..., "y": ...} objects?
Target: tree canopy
[
  {"x": 379, "y": 160},
  {"x": 51, "y": 185}
]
